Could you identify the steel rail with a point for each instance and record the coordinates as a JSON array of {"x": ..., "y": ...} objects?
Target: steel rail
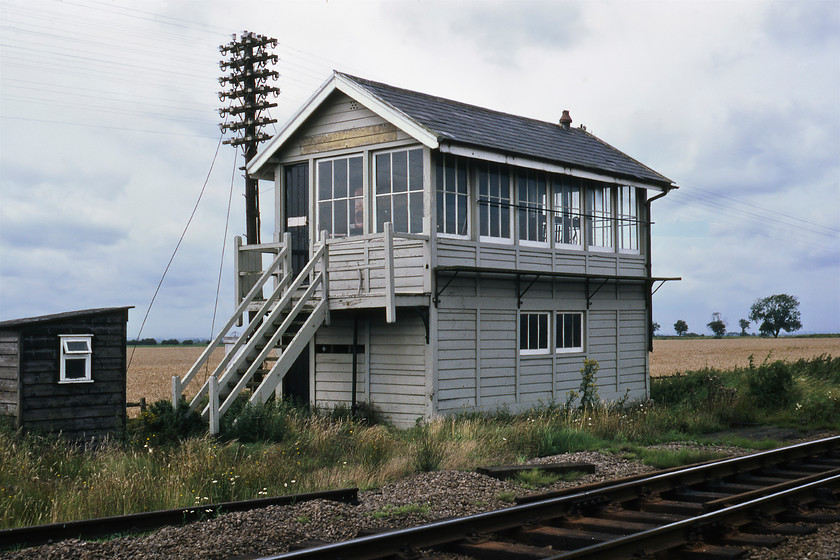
[
  {"x": 150, "y": 520},
  {"x": 674, "y": 534},
  {"x": 447, "y": 531}
]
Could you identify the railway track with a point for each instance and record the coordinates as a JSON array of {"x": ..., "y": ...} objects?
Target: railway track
[
  {"x": 710, "y": 510},
  {"x": 151, "y": 520}
]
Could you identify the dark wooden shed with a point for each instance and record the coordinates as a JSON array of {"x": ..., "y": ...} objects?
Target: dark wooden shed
[{"x": 65, "y": 372}]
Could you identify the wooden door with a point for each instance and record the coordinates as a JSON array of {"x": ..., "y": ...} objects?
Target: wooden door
[{"x": 296, "y": 203}]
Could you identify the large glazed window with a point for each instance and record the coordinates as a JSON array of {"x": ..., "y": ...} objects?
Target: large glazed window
[
  {"x": 340, "y": 202},
  {"x": 75, "y": 358},
  {"x": 532, "y": 206},
  {"x": 567, "y": 216},
  {"x": 399, "y": 190},
  {"x": 452, "y": 196},
  {"x": 533, "y": 333},
  {"x": 569, "y": 332},
  {"x": 600, "y": 221},
  {"x": 493, "y": 201},
  {"x": 628, "y": 220}
]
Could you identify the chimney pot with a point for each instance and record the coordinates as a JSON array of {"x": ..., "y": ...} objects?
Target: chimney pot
[{"x": 565, "y": 119}]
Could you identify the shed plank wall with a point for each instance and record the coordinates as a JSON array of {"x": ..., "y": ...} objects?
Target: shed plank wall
[
  {"x": 333, "y": 372},
  {"x": 78, "y": 410},
  {"x": 9, "y": 373}
]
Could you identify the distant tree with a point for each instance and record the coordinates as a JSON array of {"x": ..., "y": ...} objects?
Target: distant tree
[
  {"x": 743, "y": 323},
  {"x": 187, "y": 342},
  {"x": 776, "y": 313},
  {"x": 142, "y": 342},
  {"x": 681, "y": 327},
  {"x": 717, "y": 325},
  {"x": 170, "y": 342},
  {"x": 655, "y": 327}
]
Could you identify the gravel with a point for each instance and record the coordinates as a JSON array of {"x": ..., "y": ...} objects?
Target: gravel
[{"x": 413, "y": 500}]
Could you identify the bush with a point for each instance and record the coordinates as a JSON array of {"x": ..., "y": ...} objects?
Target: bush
[
  {"x": 771, "y": 384},
  {"x": 160, "y": 424},
  {"x": 697, "y": 388}
]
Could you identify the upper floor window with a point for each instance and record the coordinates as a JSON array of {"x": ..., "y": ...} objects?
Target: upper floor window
[
  {"x": 532, "y": 206},
  {"x": 533, "y": 333},
  {"x": 340, "y": 201},
  {"x": 75, "y": 358},
  {"x": 494, "y": 201},
  {"x": 628, "y": 219},
  {"x": 452, "y": 196},
  {"x": 567, "y": 215},
  {"x": 601, "y": 216},
  {"x": 399, "y": 190}
]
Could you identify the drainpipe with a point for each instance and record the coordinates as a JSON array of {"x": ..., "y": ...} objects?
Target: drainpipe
[
  {"x": 355, "y": 355},
  {"x": 649, "y": 269}
]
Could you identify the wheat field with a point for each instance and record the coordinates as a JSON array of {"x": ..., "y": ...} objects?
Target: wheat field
[{"x": 151, "y": 368}]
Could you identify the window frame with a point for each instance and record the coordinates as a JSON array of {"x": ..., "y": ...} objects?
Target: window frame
[
  {"x": 563, "y": 189},
  {"x": 628, "y": 221},
  {"x": 526, "y": 208},
  {"x": 605, "y": 214},
  {"x": 357, "y": 202},
  {"x": 442, "y": 195},
  {"x": 560, "y": 331},
  {"x": 526, "y": 337},
  {"x": 411, "y": 188},
  {"x": 67, "y": 354},
  {"x": 501, "y": 170}
]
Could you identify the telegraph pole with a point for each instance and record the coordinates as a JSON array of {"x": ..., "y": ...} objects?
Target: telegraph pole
[{"x": 248, "y": 82}]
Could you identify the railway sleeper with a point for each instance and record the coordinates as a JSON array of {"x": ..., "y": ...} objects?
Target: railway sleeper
[
  {"x": 612, "y": 526},
  {"x": 737, "y": 538},
  {"x": 496, "y": 550},
  {"x": 702, "y": 551},
  {"x": 658, "y": 505},
  {"x": 641, "y": 516},
  {"x": 562, "y": 538},
  {"x": 726, "y": 487},
  {"x": 686, "y": 494}
]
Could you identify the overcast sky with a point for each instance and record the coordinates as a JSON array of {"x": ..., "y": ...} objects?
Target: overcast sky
[{"x": 108, "y": 135}]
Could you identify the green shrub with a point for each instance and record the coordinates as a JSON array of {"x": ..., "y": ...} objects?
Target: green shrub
[
  {"x": 554, "y": 440},
  {"x": 588, "y": 384},
  {"x": 160, "y": 424},
  {"x": 695, "y": 388},
  {"x": 771, "y": 384}
]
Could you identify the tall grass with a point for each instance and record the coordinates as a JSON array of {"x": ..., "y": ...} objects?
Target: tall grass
[{"x": 278, "y": 448}]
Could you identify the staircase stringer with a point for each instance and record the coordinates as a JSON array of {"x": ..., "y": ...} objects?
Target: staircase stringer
[
  {"x": 272, "y": 343},
  {"x": 298, "y": 344}
]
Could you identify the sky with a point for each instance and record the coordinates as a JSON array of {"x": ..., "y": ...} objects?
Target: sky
[{"x": 110, "y": 145}]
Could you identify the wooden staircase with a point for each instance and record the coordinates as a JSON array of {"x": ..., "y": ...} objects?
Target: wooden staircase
[{"x": 280, "y": 328}]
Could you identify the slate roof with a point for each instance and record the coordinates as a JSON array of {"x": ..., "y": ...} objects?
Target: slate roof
[{"x": 458, "y": 123}]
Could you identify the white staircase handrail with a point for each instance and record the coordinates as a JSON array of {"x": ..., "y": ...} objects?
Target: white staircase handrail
[{"x": 243, "y": 306}]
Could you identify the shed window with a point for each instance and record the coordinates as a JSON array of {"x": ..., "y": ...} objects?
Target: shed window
[
  {"x": 399, "y": 190},
  {"x": 532, "y": 206},
  {"x": 340, "y": 203},
  {"x": 569, "y": 332},
  {"x": 494, "y": 201},
  {"x": 452, "y": 196},
  {"x": 628, "y": 220},
  {"x": 76, "y": 352},
  {"x": 533, "y": 333},
  {"x": 567, "y": 215}
]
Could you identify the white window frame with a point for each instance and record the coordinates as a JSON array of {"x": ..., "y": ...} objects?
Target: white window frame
[
  {"x": 628, "y": 219},
  {"x": 411, "y": 188},
  {"x": 560, "y": 328},
  {"x": 357, "y": 202},
  {"x": 528, "y": 207},
  {"x": 74, "y": 354},
  {"x": 489, "y": 167},
  {"x": 603, "y": 213},
  {"x": 521, "y": 336},
  {"x": 565, "y": 189},
  {"x": 443, "y": 194}
]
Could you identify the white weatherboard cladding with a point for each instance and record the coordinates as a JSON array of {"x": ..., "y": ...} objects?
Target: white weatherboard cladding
[
  {"x": 333, "y": 371},
  {"x": 479, "y": 365},
  {"x": 398, "y": 367}
]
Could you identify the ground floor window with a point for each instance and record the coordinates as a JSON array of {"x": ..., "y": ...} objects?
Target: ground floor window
[
  {"x": 533, "y": 333},
  {"x": 75, "y": 358},
  {"x": 569, "y": 332}
]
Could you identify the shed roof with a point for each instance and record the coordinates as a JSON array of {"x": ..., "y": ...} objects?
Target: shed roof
[
  {"x": 13, "y": 323},
  {"x": 440, "y": 122}
]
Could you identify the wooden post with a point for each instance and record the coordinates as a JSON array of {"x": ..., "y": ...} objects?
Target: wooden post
[
  {"x": 287, "y": 258},
  {"x": 176, "y": 391},
  {"x": 325, "y": 276},
  {"x": 390, "y": 308},
  {"x": 213, "y": 392},
  {"x": 237, "y": 276}
]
